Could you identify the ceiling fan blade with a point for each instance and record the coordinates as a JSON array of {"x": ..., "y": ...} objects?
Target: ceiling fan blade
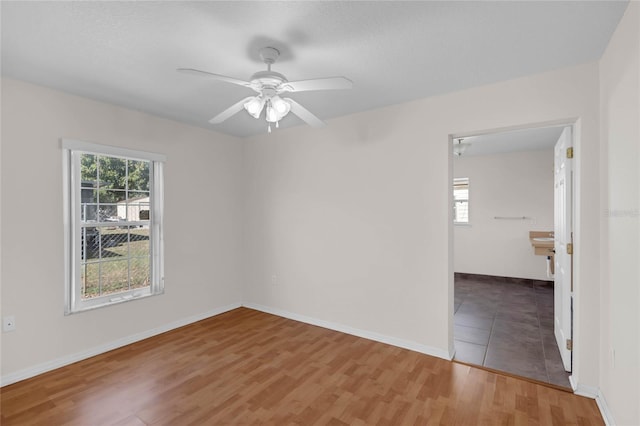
[
  {"x": 215, "y": 76},
  {"x": 304, "y": 114},
  {"x": 329, "y": 83},
  {"x": 233, "y": 109}
]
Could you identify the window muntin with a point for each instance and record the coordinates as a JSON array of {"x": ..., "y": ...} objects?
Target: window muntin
[
  {"x": 114, "y": 230},
  {"x": 461, "y": 200}
]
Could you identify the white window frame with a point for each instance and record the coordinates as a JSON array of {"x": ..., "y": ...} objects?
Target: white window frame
[
  {"x": 72, "y": 150},
  {"x": 468, "y": 221}
]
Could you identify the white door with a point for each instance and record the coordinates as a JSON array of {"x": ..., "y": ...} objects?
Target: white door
[{"x": 563, "y": 226}]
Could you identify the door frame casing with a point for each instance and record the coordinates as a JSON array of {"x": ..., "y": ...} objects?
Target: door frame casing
[{"x": 575, "y": 124}]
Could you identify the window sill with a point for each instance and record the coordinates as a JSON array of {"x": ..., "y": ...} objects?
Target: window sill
[
  {"x": 113, "y": 301},
  {"x": 461, "y": 224}
]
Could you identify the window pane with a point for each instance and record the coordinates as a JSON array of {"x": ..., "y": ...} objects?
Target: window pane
[
  {"x": 138, "y": 175},
  {"x": 461, "y": 200},
  {"x": 461, "y": 194},
  {"x": 109, "y": 202},
  {"x": 114, "y": 260},
  {"x": 108, "y": 213},
  {"x": 138, "y": 196},
  {"x": 462, "y": 211},
  {"x": 140, "y": 275},
  {"x": 89, "y": 212},
  {"x": 88, "y": 171},
  {"x": 114, "y": 242},
  {"x": 114, "y": 276},
  {"x": 138, "y": 210},
  {"x": 90, "y": 273},
  {"x": 139, "y": 242},
  {"x": 88, "y": 195},
  {"x": 112, "y": 172},
  {"x": 109, "y": 196},
  {"x": 90, "y": 243}
]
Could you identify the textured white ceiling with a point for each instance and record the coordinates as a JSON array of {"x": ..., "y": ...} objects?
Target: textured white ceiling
[{"x": 126, "y": 53}]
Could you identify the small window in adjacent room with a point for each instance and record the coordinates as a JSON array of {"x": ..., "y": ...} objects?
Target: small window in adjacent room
[
  {"x": 113, "y": 225},
  {"x": 461, "y": 200}
]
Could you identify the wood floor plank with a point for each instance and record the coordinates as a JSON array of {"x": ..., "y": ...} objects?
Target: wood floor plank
[{"x": 247, "y": 367}]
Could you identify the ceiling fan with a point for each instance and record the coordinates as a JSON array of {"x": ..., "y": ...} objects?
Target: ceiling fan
[{"x": 269, "y": 85}]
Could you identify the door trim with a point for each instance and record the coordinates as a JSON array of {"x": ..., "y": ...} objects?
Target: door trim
[{"x": 575, "y": 124}]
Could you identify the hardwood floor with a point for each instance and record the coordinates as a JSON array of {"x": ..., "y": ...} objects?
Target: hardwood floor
[{"x": 248, "y": 367}]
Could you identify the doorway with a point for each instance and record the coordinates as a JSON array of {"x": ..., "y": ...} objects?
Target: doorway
[{"x": 509, "y": 311}]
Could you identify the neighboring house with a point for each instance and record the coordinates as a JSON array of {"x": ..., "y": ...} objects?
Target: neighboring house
[{"x": 134, "y": 209}]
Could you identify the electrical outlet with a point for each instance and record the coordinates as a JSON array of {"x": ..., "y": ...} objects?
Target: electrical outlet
[{"x": 9, "y": 323}]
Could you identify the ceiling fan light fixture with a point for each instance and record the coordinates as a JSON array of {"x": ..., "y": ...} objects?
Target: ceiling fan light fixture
[
  {"x": 281, "y": 106},
  {"x": 277, "y": 109},
  {"x": 272, "y": 114},
  {"x": 255, "y": 106}
]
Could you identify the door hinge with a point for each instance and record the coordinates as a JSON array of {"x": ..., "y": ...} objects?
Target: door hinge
[
  {"x": 570, "y": 152},
  {"x": 569, "y": 248},
  {"x": 569, "y": 344}
]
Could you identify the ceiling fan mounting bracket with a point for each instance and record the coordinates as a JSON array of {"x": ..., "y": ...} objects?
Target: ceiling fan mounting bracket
[
  {"x": 268, "y": 80},
  {"x": 269, "y": 55}
]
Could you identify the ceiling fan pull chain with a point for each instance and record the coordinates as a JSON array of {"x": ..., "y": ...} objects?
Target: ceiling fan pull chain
[
  {"x": 277, "y": 125},
  {"x": 269, "y": 127}
]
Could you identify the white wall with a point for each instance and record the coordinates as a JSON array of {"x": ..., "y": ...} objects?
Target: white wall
[
  {"x": 513, "y": 184},
  {"x": 620, "y": 132},
  {"x": 354, "y": 219},
  {"x": 202, "y": 264}
]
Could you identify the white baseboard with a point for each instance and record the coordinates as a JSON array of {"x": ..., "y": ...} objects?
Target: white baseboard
[
  {"x": 70, "y": 359},
  {"x": 573, "y": 383},
  {"x": 607, "y": 415},
  {"x": 583, "y": 390},
  {"x": 594, "y": 393},
  {"x": 405, "y": 344}
]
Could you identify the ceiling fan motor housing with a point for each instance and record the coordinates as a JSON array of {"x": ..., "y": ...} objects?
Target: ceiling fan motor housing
[
  {"x": 267, "y": 82},
  {"x": 268, "y": 79}
]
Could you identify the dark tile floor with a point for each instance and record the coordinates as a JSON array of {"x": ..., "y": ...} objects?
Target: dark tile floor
[{"x": 507, "y": 326}]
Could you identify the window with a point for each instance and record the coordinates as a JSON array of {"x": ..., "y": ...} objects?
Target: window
[
  {"x": 461, "y": 200},
  {"x": 113, "y": 225}
]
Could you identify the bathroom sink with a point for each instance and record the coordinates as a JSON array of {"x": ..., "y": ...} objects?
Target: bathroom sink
[{"x": 543, "y": 239}]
